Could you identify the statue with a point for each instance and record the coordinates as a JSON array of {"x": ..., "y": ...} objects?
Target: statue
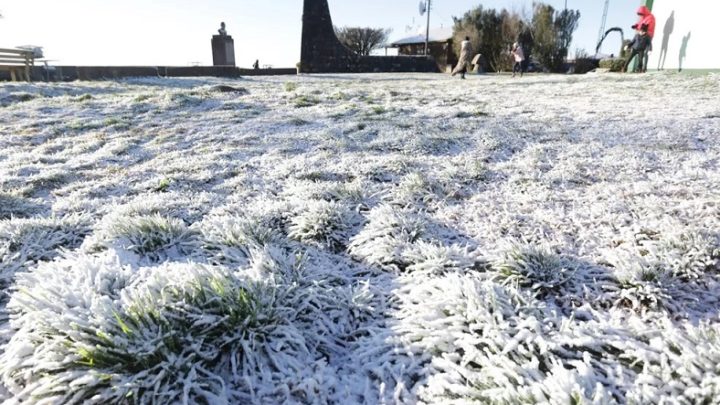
[{"x": 223, "y": 48}]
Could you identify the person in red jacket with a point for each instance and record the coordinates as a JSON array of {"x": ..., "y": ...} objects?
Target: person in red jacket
[{"x": 646, "y": 18}]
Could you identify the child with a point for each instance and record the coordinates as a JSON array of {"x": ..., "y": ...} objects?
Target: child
[
  {"x": 519, "y": 56},
  {"x": 639, "y": 45}
]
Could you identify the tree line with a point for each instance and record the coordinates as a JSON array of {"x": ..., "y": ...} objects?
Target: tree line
[{"x": 545, "y": 36}]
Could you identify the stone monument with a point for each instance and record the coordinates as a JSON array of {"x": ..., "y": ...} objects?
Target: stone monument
[
  {"x": 223, "y": 48},
  {"x": 322, "y": 52}
]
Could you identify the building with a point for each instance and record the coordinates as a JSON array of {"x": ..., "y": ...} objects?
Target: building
[
  {"x": 440, "y": 44},
  {"x": 685, "y": 35}
]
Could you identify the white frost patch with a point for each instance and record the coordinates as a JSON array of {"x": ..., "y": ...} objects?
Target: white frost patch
[{"x": 361, "y": 239}]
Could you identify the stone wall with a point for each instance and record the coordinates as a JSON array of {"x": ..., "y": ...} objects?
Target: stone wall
[
  {"x": 322, "y": 52},
  {"x": 69, "y": 73}
]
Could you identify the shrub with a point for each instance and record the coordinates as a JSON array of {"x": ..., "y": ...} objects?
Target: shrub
[
  {"x": 584, "y": 65},
  {"x": 613, "y": 64}
]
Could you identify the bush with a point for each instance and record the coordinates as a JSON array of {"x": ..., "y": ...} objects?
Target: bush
[
  {"x": 584, "y": 65},
  {"x": 613, "y": 64}
]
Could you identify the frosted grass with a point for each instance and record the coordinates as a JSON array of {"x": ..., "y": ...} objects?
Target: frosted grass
[{"x": 361, "y": 239}]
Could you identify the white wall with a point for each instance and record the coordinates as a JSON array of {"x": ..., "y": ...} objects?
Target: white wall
[{"x": 701, "y": 18}]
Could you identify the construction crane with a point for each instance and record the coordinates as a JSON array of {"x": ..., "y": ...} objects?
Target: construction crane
[{"x": 604, "y": 21}]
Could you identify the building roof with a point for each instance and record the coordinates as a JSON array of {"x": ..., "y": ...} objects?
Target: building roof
[{"x": 436, "y": 35}]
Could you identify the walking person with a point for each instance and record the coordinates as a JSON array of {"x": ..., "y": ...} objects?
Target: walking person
[
  {"x": 638, "y": 46},
  {"x": 519, "y": 56},
  {"x": 465, "y": 52}
]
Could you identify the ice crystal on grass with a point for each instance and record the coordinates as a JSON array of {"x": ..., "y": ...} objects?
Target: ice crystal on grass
[
  {"x": 416, "y": 188},
  {"x": 386, "y": 236},
  {"x": 327, "y": 224},
  {"x": 425, "y": 304},
  {"x": 684, "y": 368},
  {"x": 666, "y": 273},
  {"x": 690, "y": 256},
  {"x": 434, "y": 259},
  {"x": 491, "y": 344},
  {"x": 302, "y": 101},
  {"x": 230, "y": 240},
  {"x": 173, "y": 336},
  {"x": 46, "y": 182},
  {"x": 188, "y": 207},
  {"x": 153, "y": 237},
  {"x": 24, "y": 242},
  {"x": 535, "y": 268},
  {"x": 18, "y": 207},
  {"x": 354, "y": 193}
]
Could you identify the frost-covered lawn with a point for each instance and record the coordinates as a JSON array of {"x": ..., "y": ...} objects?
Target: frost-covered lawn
[{"x": 361, "y": 239}]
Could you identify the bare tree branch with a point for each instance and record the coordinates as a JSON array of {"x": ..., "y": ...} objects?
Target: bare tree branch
[{"x": 362, "y": 40}]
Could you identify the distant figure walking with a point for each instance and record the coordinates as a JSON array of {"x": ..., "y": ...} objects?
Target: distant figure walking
[
  {"x": 465, "y": 52},
  {"x": 667, "y": 31},
  {"x": 519, "y": 55},
  {"x": 638, "y": 46},
  {"x": 256, "y": 65},
  {"x": 683, "y": 51}
]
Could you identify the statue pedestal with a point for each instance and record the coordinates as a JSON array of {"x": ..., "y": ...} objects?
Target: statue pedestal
[{"x": 223, "y": 49}]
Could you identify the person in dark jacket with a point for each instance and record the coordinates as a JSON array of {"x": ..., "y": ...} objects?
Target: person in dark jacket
[
  {"x": 645, "y": 18},
  {"x": 638, "y": 47}
]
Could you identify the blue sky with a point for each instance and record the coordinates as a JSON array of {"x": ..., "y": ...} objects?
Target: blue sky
[{"x": 177, "y": 32}]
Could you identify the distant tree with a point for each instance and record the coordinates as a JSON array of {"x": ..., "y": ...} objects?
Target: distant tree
[
  {"x": 552, "y": 34},
  {"x": 362, "y": 40},
  {"x": 492, "y": 34},
  {"x": 546, "y": 36},
  {"x": 566, "y": 23}
]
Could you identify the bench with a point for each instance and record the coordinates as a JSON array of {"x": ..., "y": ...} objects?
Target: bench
[{"x": 18, "y": 62}]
